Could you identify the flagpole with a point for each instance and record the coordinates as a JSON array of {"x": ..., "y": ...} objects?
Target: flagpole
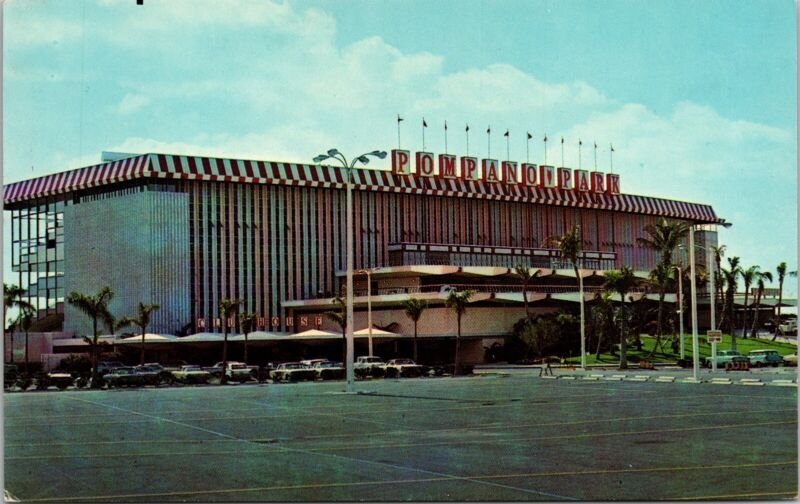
[
  {"x": 611, "y": 157},
  {"x": 445, "y": 137},
  {"x": 508, "y": 152},
  {"x": 423, "y": 134},
  {"x": 528, "y": 147},
  {"x": 595, "y": 156},
  {"x": 398, "y": 130},
  {"x": 489, "y": 142},
  {"x": 580, "y": 145},
  {"x": 545, "y": 148},
  {"x": 467, "y": 132},
  {"x": 562, "y": 152}
]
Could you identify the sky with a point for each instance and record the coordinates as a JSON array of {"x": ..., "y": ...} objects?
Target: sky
[{"x": 698, "y": 98}]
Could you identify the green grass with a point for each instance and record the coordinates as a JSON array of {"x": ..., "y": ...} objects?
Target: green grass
[{"x": 743, "y": 346}]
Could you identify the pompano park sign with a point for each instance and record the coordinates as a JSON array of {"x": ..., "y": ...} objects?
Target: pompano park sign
[{"x": 505, "y": 172}]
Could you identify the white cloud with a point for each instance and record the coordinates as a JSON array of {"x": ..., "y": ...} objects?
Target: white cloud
[{"x": 131, "y": 103}]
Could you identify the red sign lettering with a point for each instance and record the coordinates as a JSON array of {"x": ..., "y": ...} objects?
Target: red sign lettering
[
  {"x": 529, "y": 174},
  {"x": 565, "y": 178},
  {"x": 597, "y": 182},
  {"x": 447, "y": 166},
  {"x": 547, "y": 176},
  {"x": 469, "y": 168},
  {"x": 510, "y": 172},
  {"x": 489, "y": 168},
  {"x": 425, "y": 164},
  {"x": 612, "y": 183},
  {"x": 400, "y": 162},
  {"x": 582, "y": 180}
]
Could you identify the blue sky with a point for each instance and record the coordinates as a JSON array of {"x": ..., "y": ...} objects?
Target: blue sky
[{"x": 698, "y": 98}]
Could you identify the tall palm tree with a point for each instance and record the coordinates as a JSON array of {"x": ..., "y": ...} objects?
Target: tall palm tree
[
  {"x": 95, "y": 307},
  {"x": 524, "y": 274},
  {"x": 340, "y": 317},
  {"x": 12, "y": 298},
  {"x": 621, "y": 282},
  {"x": 414, "y": 308},
  {"x": 24, "y": 321},
  {"x": 719, "y": 252},
  {"x": 748, "y": 276},
  {"x": 661, "y": 279},
  {"x": 664, "y": 236},
  {"x": 141, "y": 320},
  {"x": 227, "y": 307},
  {"x": 781, "y": 270},
  {"x": 570, "y": 246},
  {"x": 246, "y": 322},
  {"x": 457, "y": 301},
  {"x": 760, "y": 277},
  {"x": 731, "y": 275}
]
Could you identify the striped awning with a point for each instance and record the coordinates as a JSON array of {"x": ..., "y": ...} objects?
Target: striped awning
[{"x": 304, "y": 175}]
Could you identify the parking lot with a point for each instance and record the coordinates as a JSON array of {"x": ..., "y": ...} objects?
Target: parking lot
[{"x": 495, "y": 437}]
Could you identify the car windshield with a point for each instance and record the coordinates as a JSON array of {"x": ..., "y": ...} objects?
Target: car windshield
[
  {"x": 238, "y": 366},
  {"x": 328, "y": 364},
  {"x": 192, "y": 368}
]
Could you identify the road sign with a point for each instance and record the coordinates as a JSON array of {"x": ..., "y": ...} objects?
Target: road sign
[{"x": 714, "y": 336}]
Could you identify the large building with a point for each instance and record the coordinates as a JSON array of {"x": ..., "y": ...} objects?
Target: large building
[{"x": 186, "y": 232}]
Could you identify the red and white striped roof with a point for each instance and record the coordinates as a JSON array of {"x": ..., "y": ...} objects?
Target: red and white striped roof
[{"x": 268, "y": 172}]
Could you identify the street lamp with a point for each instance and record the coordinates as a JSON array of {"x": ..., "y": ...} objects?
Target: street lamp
[
  {"x": 369, "y": 307},
  {"x": 363, "y": 159}
]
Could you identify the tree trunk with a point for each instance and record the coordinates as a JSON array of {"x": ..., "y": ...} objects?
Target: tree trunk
[
  {"x": 746, "y": 308},
  {"x": 755, "y": 314},
  {"x": 778, "y": 318},
  {"x": 95, "y": 378},
  {"x": 525, "y": 299},
  {"x": 224, "y": 379},
  {"x": 26, "y": 350},
  {"x": 245, "y": 348},
  {"x": 458, "y": 339},
  {"x": 659, "y": 323},
  {"x": 141, "y": 354},
  {"x": 415, "y": 342},
  {"x": 623, "y": 343}
]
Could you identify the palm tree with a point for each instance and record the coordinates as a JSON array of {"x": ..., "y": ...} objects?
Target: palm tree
[
  {"x": 524, "y": 274},
  {"x": 760, "y": 277},
  {"x": 781, "y": 276},
  {"x": 661, "y": 279},
  {"x": 748, "y": 276},
  {"x": 227, "y": 307},
  {"x": 719, "y": 252},
  {"x": 664, "y": 236},
  {"x": 340, "y": 317},
  {"x": 730, "y": 276},
  {"x": 414, "y": 308},
  {"x": 570, "y": 246},
  {"x": 141, "y": 320},
  {"x": 94, "y": 307},
  {"x": 603, "y": 318},
  {"x": 457, "y": 301},
  {"x": 12, "y": 298},
  {"x": 246, "y": 321},
  {"x": 24, "y": 321},
  {"x": 621, "y": 282}
]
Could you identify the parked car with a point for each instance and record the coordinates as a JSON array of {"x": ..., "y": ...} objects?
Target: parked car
[
  {"x": 789, "y": 326},
  {"x": 104, "y": 367},
  {"x": 312, "y": 362},
  {"x": 726, "y": 356},
  {"x": 764, "y": 357},
  {"x": 60, "y": 379},
  {"x": 124, "y": 377},
  {"x": 239, "y": 371},
  {"x": 10, "y": 372},
  {"x": 153, "y": 373},
  {"x": 293, "y": 372},
  {"x": 790, "y": 360},
  {"x": 367, "y": 366},
  {"x": 190, "y": 374},
  {"x": 404, "y": 368},
  {"x": 329, "y": 370}
]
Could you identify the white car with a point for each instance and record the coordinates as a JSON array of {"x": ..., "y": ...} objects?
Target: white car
[{"x": 404, "y": 368}]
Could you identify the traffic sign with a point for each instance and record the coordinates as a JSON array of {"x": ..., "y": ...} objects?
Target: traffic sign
[{"x": 714, "y": 336}]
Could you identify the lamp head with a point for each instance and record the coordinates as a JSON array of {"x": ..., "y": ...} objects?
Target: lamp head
[
  {"x": 321, "y": 157},
  {"x": 363, "y": 159},
  {"x": 379, "y": 154},
  {"x": 333, "y": 152}
]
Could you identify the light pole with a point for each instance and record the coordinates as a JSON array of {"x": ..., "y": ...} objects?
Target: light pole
[
  {"x": 369, "y": 307},
  {"x": 363, "y": 159},
  {"x": 680, "y": 307},
  {"x": 692, "y": 282}
]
